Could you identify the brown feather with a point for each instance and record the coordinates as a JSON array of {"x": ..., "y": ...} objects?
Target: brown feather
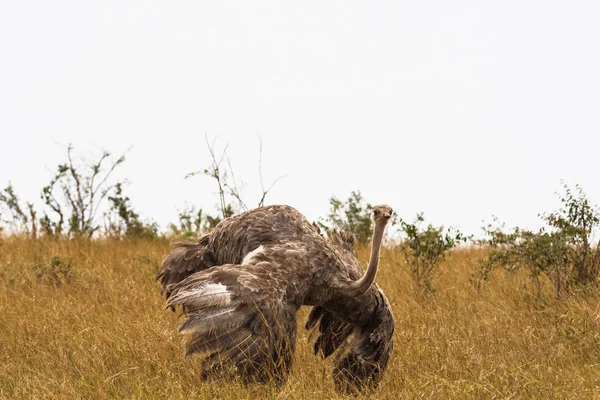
[
  {"x": 237, "y": 320},
  {"x": 185, "y": 259},
  {"x": 241, "y": 313}
]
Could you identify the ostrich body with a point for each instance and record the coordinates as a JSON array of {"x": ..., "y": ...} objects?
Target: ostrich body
[{"x": 267, "y": 263}]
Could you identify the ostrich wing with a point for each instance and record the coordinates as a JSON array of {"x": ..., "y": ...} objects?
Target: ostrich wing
[
  {"x": 243, "y": 316},
  {"x": 332, "y": 330},
  {"x": 185, "y": 259},
  {"x": 232, "y": 239},
  {"x": 360, "y": 328},
  {"x": 364, "y": 360}
]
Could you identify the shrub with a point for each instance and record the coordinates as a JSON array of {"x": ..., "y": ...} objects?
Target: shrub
[
  {"x": 578, "y": 221},
  {"x": 562, "y": 250},
  {"x": 22, "y": 218},
  {"x": 57, "y": 272},
  {"x": 76, "y": 193},
  {"x": 352, "y": 216},
  {"x": 194, "y": 223},
  {"x": 122, "y": 221},
  {"x": 425, "y": 247},
  {"x": 71, "y": 200}
]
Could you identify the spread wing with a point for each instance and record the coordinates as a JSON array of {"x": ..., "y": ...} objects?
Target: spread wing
[
  {"x": 359, "y": 329},
  {"x": 362, "y": 345},
  {"x": 240, "y": 319},
  {"x": 185, "y": 259},
  {"x": 362, "y": 362},
  {"x": 331, "y": 331}
]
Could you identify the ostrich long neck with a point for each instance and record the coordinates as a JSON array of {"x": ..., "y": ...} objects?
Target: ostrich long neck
[{"x": 360, "y": 287}]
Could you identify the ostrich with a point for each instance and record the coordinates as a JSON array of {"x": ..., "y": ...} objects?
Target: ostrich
[{"x": 268, "y": 262}]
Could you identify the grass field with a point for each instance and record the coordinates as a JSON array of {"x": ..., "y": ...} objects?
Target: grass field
[{"x": 86, "y": 320}]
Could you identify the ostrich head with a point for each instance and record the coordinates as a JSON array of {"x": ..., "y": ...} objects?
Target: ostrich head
[{"x": 382, "y": 214}]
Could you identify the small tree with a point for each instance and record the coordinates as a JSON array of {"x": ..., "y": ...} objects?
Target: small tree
[
  {"x": 194, "y": 223},
  {"x": 83, "y": 190},
  {"x": 562, "y": 251},
  {"x": 190, "y": 223},
  {"x": 352, "y": 216},
  {"x": 71, "y": 200},
  {"x": 22, "y": 218},
  {"x": 425, "y": 247},
  {"x": 578, "y": 221},
  {"x": 541, "y": 253},
  {"x": 122, "y": 221}
]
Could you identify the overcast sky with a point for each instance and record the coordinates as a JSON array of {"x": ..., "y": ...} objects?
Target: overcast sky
[{"x": 459, "y": 109}]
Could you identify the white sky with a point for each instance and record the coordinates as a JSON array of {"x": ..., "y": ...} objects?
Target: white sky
[{"x": 460, "y": 109}]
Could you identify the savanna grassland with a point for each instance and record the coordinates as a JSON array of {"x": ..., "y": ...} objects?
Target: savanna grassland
[{"x": 85, "y": 319}]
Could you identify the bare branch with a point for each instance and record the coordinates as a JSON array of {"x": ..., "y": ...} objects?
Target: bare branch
[
  {"x": 261, "y": 202},
  {"x": 96, "y": 168},
  {"x": 80, "y": 208},
  {"x": 234, "y": 190},
  {"x": 215, "y": 172},
  {"x": 265, "y": 192},
  {"x": 103, "y": 195},
  {"x": 260, "y": 176},
  {"x": 230, "y": 196},
  {"x": 120, "y": 161}
]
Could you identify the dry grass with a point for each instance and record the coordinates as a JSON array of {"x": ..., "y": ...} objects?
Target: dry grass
[{"x": 96, "y": 328}]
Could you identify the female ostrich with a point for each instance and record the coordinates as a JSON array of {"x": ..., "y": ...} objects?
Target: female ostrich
[{"x": 271, "y": 261}]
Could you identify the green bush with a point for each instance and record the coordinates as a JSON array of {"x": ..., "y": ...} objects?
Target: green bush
[
  {"x": 122, "y": 221},
  {"x": 352, "y": 216},
  {"x": 562, "y": 250},
  {"x": 425, "y": 247}
]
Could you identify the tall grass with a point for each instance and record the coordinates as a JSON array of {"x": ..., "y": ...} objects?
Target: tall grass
[{"x": 84, "y": 319}]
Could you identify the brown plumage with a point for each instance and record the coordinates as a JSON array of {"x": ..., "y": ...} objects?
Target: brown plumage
[
  {"x": 241, "y": 286},
  {"x": 366, "y": 319}
]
